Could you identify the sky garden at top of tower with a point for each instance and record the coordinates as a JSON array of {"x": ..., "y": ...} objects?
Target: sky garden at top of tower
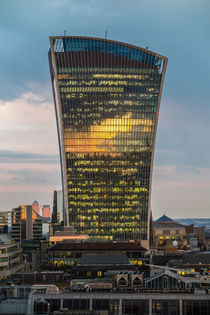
[{"x": 107, "y": 97}]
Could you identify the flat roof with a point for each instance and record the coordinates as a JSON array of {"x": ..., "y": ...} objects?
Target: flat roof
[{"x": 97, "y": 246}]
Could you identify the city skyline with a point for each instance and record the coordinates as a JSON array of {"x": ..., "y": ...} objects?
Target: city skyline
[{"x": 29, "y": 152}]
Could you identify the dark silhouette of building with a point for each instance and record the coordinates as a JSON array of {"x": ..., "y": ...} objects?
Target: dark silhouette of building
[
  {"x": 57, "y": 212},
  {"x": 55, "y": 208}
]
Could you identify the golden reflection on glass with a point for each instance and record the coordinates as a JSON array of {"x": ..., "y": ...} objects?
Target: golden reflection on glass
[{"x": 109, "y": 117}]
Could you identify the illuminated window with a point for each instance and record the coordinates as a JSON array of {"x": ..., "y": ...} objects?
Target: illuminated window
[{"x": 107, "y": 108}]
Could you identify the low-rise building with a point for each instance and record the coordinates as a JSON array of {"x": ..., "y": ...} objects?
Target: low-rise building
[
  {"x": 48, "y": 299},
  {"x": 68, "y": 253},
  {"x": 169, "y": 234},
  {"x": 10, "y": 256},
  {"x": 67, "y": 233}
]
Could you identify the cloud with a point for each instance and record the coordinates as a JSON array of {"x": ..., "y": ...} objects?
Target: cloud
[
  {"x": 27, "y": 157},
  {"x": 29, "y": 174},
  {"x": 26, "y": 26},
  {"x": 27, "y": 119},
  {"x": 34, "y": 176},
  {"x": 25, "y": 196},
  {"x": 20, "y": 183},
  {"x": 183, "y": 134},
  {"x": 28, "y": 124},
  {"x": 29, "y": 111},
  {"x": 180, "y": 191}
]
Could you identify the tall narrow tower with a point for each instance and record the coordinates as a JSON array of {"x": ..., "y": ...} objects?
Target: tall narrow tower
[{"x": 107, "y": 96}]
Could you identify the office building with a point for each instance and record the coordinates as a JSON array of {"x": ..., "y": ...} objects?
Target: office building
[
  {"x": 46, "y": 212},
  {"x": 10, "y": 256},
  {"x": 28, "y": 224},
  {"x": 60, "y": 205},
  {"x": 107, "y": 97},
  {"x": 36, "y": 207},
  {"x": 5, "y": 221},
  {"x": 54, "y": 218},
  {"x": 57, "y": 214}
]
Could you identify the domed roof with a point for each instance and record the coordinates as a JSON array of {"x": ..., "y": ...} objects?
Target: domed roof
[
  {"x": 35, "y": 201},
  {"x": 164, "y": 218}
]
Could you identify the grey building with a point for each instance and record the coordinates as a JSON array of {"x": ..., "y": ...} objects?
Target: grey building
[
  {"x": 10, "y": 256},
  {"x": 27, "y": 224}
]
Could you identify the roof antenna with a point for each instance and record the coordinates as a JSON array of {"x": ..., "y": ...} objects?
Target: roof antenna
[
  {"x": 64, "y": 33},
  {"x": 106, "y": 32}
]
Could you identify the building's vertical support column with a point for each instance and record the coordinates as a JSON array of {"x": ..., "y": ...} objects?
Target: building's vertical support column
[
  {"x": 120, "y": 307},
  {"x": 180, "y": 307},
  {"x": 30, "y": 305},
  {"x": 31, "y": 308},
  {"x": 61, "y": 305},
  {"x": 150, "y": 306},
  {"x": 91, "y": 304}
]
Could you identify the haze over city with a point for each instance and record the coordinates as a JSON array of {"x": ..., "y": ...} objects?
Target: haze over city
[{"x": 29, "y": 148}]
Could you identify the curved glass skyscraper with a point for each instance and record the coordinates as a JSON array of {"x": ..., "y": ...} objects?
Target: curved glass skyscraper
[{"x": 107, "y": 97}]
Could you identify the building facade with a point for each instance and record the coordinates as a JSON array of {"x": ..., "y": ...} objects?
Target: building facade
[
  {"x": 26, "y": 224},
  {"x": 10, "y": 256},
  {"x": 107, "y": 97},
  {"x": 46, "y": 212},
  {"x": 5, "y": 221},
  {"x": 169, "y": 234},
  {"x": 67, "y": 233},
  {"x": 57, "y": 211},
  {"x": 69, "y": 253},
  {"x": 36, "y": 206},
  {"x": 54, "y": 217}
]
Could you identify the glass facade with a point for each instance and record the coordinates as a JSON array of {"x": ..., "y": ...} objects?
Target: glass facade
[{"x": 107, "y": 97}]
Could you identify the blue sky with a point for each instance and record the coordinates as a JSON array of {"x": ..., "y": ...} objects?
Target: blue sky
[{"x": 179, "y": 30}]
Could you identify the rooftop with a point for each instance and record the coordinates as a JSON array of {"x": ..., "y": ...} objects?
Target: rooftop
[
  {"x": 62, "y": 43},
  {"x": 6, "y": 239},
  {"x": 202, "y": 258},
  {"x": 166, "y": 222},
  {"x": 104, "y": 259},
  {"x": 169, "y": 224},
  {"x": 97, "y": 246},
  {"x": 164, "y": 218}
]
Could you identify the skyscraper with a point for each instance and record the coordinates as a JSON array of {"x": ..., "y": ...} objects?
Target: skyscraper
[
  {"x": 107, "y": 96},
  {"x": 57, "y": 213},
  {"x": 46, "y": 212},
  {"x": 35, "y": 206}
]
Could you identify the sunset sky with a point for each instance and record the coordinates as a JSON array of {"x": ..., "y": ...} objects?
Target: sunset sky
[{"x": 179, "y": 30}]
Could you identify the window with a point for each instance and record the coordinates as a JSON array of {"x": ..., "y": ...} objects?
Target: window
[
  {"x": 88, "y": 273},
  {"x": 99, "y": 273}
]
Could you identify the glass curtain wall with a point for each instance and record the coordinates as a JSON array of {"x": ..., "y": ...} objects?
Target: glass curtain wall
[{"x": 107, "y": 102}]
